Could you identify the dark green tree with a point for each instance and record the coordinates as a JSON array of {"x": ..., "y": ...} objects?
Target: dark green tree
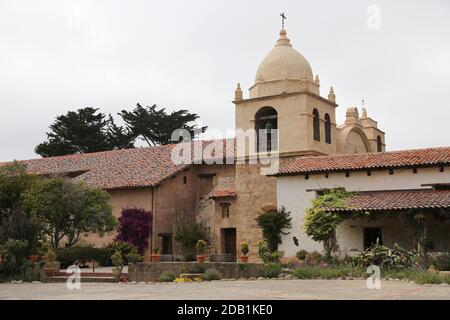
[
  {"x": 82, "y": 131},
  {"x": 155, "y": 126},
  {"x": 67, "y": 210},
  {"x": 118, "y": 137}
]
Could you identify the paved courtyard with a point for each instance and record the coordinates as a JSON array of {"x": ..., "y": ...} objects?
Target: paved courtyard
[{"x": 252, "y": 290}]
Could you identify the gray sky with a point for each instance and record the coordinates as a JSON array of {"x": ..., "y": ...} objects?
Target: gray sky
[{"x": 59, "y": 55}]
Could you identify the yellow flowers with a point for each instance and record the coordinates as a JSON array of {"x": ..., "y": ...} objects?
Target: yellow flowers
[{"x": 188, "y": 280}]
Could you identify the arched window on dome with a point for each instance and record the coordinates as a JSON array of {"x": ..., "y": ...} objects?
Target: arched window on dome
[
  {"x": 266, "y": 126},
  {"x": 379, "y": 144},
  {"x": 327, "y": 128},
  {"x": 316, "y": 125}
]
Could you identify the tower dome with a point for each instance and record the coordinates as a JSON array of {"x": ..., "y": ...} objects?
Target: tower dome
[
  {"x": 282, "y": 69},
  {"x": 283, "y": 62}
]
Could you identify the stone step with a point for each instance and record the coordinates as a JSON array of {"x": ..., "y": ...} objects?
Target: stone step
[
  {"x": 86, "y": 274},
  {"x": 61, "y": 279}
]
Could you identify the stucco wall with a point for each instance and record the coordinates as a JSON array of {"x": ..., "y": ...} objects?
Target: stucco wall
[
  {"x": 296, "y": 194},
  {"x": 121, "y": 199}
]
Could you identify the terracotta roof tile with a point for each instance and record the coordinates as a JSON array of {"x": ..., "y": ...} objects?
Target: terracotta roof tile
[
  {"x": 127, "y": 168},
  {"x": 396, "y": 200},
  {"x": 225, "y": 193},
  {"x": 368, "y": 161}
]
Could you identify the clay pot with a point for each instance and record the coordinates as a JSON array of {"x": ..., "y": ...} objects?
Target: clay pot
[
  {"x": 201, "y": 258},
  {"x": 33, "y": 258},
  {"x": 49, "y": 271},
  {"x": 156, "y": 257},
  {"x": 244, "y": 259}
]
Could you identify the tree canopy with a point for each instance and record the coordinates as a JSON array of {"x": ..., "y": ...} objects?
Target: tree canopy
[
  {"x": 82, "y": 131},
  {"x": 88, "y": 130},
  {"x": 155, "y": 126},
  {"x": 66, "y": 210}
]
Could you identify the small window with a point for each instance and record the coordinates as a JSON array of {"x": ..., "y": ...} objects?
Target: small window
[
  {"x": 184, "y": 179},
  {"x": 225, "y": 209},
  {"x": 327, "y": 128},
  {"x": 371, "y": 236},
  {"x": 316, "y": 125}
]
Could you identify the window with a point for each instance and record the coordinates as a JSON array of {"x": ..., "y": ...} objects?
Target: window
[
  {"x": 266, "y": 126},
  {"x": 316, "y": 125},
  {"x": 184, "y": 179},
  {"x": 371, "y": 235},
  {"x": 327, "y": 128},
  {"x": 379, "y": 144},
  {"x": 225, "y": 209}
]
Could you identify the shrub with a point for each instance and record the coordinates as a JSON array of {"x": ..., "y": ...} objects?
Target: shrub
[
  {"x": 292, "y": 262},
  {"x": 442, "y": 262},
  {"x": 68, "y": 256},
  {"x": 272, "y": 224},
  {"x": 166, "y": 277},
  {"x": 135, "y": 226},
  {"x": 117, "y": 259},
  {"x": 387, "y": 258},
  {"x": 266, "y": 255},
  {"x": 313, "y": 258},
  {"x": 271, "y": 270},
  {"x": 301, "y": 254},
  {"x": 212, "y": 275},
  {"x": 123, "y": 248},
  {"x": 187, "y": 234},
  {"x": 134, "y": 257},
  {"x": 13, "y": 253}
]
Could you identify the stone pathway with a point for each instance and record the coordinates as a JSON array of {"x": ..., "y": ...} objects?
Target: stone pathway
[{"x": 237, "y": 289}]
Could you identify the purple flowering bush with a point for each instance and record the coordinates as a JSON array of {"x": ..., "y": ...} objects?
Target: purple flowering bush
[{"x": 135, "y": 226}]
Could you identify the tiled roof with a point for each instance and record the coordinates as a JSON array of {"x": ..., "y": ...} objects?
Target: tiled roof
[
  {"x": 396, "y": 200},
  {"x": 127, "y": 168},
  {"x": 368, "y": 161},
  {"x": 220, "y": 194}
]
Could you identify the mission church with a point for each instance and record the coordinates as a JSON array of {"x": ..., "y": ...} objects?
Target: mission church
[{"x": 227, "y": 196}]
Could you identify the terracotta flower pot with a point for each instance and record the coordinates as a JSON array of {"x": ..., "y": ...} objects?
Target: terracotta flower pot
[
  {"x": 244, "y": 259},
  {"x": 156, "y": 257},
  {"x": 49, "y": 271},
  {"x": 201, "y": 258},
  {"x": 33, "y": 258}
]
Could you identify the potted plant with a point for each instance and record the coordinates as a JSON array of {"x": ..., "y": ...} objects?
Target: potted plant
[
  {"x": 33, "y": 258},
  {"x": 201, "y": 247},
  {"x": 117, "y": 261},
  {"x": 156, "y": 257},
  {"x": 50, "y": 263},
  {"x": 244, "y": 250}
]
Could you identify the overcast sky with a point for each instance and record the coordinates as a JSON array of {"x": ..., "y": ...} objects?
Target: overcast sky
[{"x": 59, "y": 55}]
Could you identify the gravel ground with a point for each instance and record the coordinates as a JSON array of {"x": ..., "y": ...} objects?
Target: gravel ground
[{"x": 228, "y": 289}]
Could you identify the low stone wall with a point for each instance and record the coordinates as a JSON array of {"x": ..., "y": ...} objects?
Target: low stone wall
[{"x": 151, "y": 271}]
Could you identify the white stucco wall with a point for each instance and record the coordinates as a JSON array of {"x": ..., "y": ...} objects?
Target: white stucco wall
[{"x": 292, "y": 193}]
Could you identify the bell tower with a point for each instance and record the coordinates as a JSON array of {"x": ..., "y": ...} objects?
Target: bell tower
[{"x": 286, "y": 96}]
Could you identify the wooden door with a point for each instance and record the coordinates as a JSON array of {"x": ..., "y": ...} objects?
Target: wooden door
[{"x": 230, "y": 242}]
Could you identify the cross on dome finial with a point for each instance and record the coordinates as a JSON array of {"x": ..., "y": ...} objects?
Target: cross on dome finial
[{"x": 283, "y": 17}]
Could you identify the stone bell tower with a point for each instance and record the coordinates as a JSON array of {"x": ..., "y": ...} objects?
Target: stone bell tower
[{"x": 286, "y": 95}]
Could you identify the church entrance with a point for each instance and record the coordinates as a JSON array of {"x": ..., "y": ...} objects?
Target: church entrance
[{"x": 229, "y": 242}]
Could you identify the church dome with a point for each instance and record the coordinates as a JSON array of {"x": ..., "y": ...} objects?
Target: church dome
[{"x": 283, "y": 62}]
